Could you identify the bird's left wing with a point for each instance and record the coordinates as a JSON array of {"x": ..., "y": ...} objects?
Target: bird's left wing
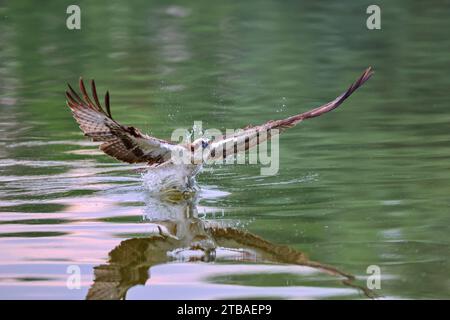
[
  {"x": 124, "y": 143},
  {"x": 251, "y": 136}
]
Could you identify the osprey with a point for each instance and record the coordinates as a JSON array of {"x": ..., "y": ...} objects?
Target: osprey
[{"x": 130, "y": 145}]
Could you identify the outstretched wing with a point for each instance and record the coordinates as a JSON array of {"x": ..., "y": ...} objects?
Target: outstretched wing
[
  {"x": 124, "y": 143},
  {"x": 254, "y": 135}
]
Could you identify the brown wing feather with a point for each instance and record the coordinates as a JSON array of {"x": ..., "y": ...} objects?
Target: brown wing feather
[
  {"x": 121, "y": 142},
  {"x": 292, "y": 121},
  {"x": 251, "y": 136}
]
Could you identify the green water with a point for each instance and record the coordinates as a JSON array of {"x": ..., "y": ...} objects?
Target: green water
[{"x": 365, "y": 185}]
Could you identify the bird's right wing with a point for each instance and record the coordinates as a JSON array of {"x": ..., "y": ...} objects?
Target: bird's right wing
[{"x": 124, "y": 143}]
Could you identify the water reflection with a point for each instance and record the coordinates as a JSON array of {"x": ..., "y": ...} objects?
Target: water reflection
[{"x": 181, "y": 236}]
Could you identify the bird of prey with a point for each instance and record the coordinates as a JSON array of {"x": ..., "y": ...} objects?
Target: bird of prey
[{"x": 129, "y": 144}]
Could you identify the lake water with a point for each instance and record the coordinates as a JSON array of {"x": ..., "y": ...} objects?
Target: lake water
[{"x": 366, "y": 185}]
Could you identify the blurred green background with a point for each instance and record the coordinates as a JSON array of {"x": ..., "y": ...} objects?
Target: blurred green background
[{"x": 365, "y": 185}]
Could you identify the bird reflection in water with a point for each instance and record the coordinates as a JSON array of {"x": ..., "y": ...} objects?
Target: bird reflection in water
[{"x": 181, "y": 235}]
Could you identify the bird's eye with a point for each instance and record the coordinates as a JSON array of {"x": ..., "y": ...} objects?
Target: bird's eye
[{"x": 204, "y": 144}]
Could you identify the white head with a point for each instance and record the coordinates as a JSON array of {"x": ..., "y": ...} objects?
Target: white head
[{"x": 198, "y": 148}]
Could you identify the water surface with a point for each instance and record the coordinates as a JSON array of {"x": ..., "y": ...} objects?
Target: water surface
[{"x": 365, "y": 185}]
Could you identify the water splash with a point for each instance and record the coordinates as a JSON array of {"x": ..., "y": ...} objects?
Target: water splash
[{"x": 171, "y": 182}]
